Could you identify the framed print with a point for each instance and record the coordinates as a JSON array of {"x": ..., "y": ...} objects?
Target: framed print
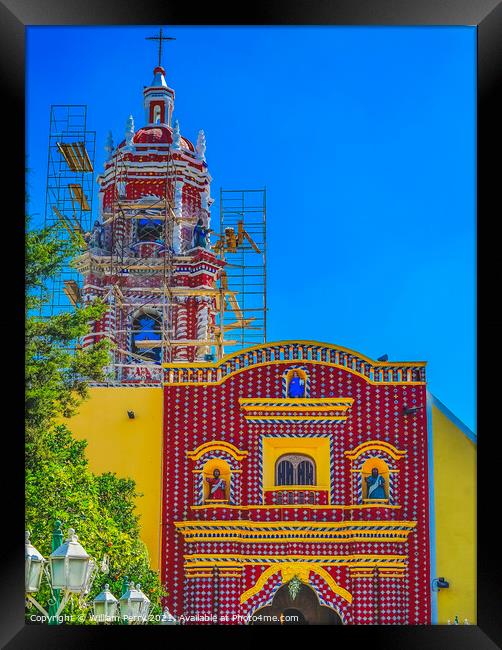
[{"x": 250, "y": 322}]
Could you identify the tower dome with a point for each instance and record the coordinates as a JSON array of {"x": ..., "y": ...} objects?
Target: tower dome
[{"x": 158, "y": 134}]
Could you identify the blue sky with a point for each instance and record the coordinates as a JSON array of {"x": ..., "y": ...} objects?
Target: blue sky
[{"x": 365, "y": 140}]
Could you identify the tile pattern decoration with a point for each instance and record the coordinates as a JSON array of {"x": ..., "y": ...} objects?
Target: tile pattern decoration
[{"x": 213, "y": 555}]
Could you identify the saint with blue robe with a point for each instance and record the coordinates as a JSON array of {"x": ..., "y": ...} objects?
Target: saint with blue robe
[
  {"x": 375, "y": 484},
  {"x": 97, "y": 236},
  {"x": 200, "y": 235},
  {"x": 296, "y": 386}
]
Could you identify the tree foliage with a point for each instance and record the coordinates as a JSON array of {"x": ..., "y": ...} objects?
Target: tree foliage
[{"x": 59, "y": 483}]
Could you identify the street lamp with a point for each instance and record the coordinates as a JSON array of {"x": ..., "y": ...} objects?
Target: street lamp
[
  {"x": 72, "y": 571},
  {"x": 134, "y": 605},
  {"x": 34, "y": 566},
  {"x": 105, "y": 606}
]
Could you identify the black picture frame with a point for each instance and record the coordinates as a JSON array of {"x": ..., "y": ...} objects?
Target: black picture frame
[{"x": 15, "y": 15}]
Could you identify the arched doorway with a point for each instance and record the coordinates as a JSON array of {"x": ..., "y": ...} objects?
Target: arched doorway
[{"x": 302, "y": 609}]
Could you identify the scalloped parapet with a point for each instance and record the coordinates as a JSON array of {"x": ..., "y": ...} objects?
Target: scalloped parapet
[{"x": 375, "y": 372}]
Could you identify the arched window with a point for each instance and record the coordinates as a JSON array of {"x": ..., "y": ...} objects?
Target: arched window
[
  {"x": 295, "y": 469},
  {"x": 156, "y": 114},
  {"x": 305, "y": 472},
  {"x": 146, "y": 326},
  {"x": 148, "y": 230},
  {"x": 284, "y": 473}
]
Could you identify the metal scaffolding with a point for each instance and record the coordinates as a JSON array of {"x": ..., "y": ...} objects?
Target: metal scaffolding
[
  {"x": 243, "y": 215},
  {"x": 69, "y": 194},
  {"x": 125, "y": 215},
  {"x": 240, "y": 291}
]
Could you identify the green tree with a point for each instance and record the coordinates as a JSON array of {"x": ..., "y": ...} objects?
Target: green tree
[{"x": 59, "y": 483}]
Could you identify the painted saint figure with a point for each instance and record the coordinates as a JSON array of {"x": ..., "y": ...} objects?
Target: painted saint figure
[
  {"x": 216, "y": 486},
  {"x": 200, "y": 235},
  {"x": 375, "y": 484},
  {"x": 97, "y": 236},
  {"x": 296, "y": 386}
]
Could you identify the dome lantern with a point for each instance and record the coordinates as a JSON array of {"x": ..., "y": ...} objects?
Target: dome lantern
[{"x": 158, "y": 99}]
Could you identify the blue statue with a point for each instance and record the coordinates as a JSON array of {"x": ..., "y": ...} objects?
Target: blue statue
[
  {"x": 97, "y": 236},
  {"x": 296, "y": 386},
  {"x": 375, "y": 484},
  {"x": 200, "y": 235},
  {"x": 147, "y": 330}
]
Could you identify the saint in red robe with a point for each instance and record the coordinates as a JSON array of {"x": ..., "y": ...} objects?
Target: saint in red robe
[{"x": 216, "y": 488}]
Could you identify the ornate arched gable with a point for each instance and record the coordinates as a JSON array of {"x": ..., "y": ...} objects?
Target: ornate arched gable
[{"x": 375, "y": 372}]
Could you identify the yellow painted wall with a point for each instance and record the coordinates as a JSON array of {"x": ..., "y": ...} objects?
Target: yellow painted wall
[
  {"x": 454, "y": 458},
  {"x": 130, "y": 448}
]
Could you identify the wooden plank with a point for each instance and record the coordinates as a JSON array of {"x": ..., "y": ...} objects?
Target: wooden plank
[
  {"x": 134, "y": 356},
  {"x": 250, "y": 240},
  {"x": 78, "y": 193},
  {"x": 159, "y": 204},
  {"x": 72, "y": 290},
  {"x": 238, "y": 324},
  {"x": 145, "y": 343},
  {"x": 180, "y": 291},
  {"x": 67, "y": 155},
  {"x": 78, "y": 155},
  {"x": 232, "y": 300},
  {"x": 87, "y": 161},
  {"x": 73, "y": 232},
  {"x": 75, "y": 163},
  {"x": 180, "y": 343}
]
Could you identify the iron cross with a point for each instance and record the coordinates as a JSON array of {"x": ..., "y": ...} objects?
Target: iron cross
[{"x": 160, "y": 38}]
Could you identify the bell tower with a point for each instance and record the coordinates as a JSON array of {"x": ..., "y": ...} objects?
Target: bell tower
[{"x": 148, "y": 256}]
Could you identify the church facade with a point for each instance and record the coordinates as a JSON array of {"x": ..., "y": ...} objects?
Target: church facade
[{"x": 324, "y": 492}]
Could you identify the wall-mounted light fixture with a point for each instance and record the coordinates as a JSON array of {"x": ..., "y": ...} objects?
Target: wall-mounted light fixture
[
  {"x": 439, "y": 583},
  {"x": 411, "y": 410},
  {"x": 131, "y": 415}
]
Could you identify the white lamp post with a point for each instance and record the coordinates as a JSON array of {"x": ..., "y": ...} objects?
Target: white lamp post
[
  {"x": 34, "y": 566},
  {"x": 72, "y": 571},
  {"x": 105, "y": 606},
  {"x": 71, "y": 567},
  {"x": 134, "y": 605}
]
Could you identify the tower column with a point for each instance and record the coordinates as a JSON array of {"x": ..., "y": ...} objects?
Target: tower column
[
  {"x": 181, "y": 352},
  {"x": 178, "y": 211},
  {"x": 202, "y": 326}
]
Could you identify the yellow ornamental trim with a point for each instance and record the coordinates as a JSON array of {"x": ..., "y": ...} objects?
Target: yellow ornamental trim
[
  {"x": 319, "y": 344},
  {"x": 217, "y": 445},
  {"x": 259, "y": 583},
  {"x": 373, "y": 372},
  {"x": 283, "y": 526},
  {"x": 300, "y": 570},
  {"x": 375, "y": 445}
]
